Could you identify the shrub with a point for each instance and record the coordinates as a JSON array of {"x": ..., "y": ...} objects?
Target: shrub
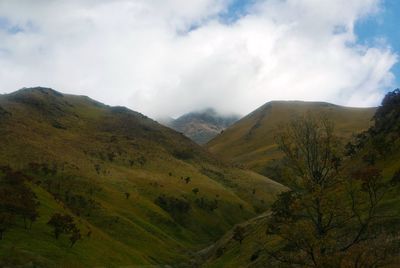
[
  {"x": 238, "y": 234},
  {"x": 173, "y": 205},
  {"x": 62, "y": 224},
  {"x": 206, "y": 204},
  {"x": 183, "y": 155},
  {"x": 195, "y": 190},
  {"x": 16, "y": 199}
]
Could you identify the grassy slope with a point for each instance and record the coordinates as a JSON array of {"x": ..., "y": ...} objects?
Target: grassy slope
[
  {"x": 228, "y": 252},
  {"x": 240, "y": 255},
  {"x": 76, "y": 134},
  {"x": 250, "y": 141}
]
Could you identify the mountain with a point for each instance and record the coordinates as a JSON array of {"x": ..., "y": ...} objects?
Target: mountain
[
  {"x": 138, "y": 192},
  {"x": 250, "y": 141},
  {"x": 377, "y": 148},
  {"x": 202, "y": 126}
]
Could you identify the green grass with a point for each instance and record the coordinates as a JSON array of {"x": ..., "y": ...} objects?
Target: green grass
[
  {"x": 250, "y": 141},
  {"x": 75, "y": 135},
  {"x": 227, "y": 252},
  {"x": 239, "y": 255}
]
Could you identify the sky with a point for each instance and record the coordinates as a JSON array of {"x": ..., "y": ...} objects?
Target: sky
[{"x": 168, "y": 57}]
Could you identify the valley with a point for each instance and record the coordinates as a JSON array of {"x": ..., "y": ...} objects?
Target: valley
[
  {"x": 148, "y": 195},
  {"x": 200, "y": 134}
]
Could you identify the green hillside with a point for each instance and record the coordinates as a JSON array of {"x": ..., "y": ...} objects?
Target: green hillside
[
  {"x": 140, "y": 193},
  {"x": 227, "y": 252},
  {"x": 250, "y": 141},
  {"x": 376, "y": 148}
]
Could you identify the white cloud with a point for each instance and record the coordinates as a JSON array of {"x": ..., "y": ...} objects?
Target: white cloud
[{"x": 166, "y": 57}]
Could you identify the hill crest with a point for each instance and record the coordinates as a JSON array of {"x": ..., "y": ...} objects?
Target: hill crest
[
  {"x": 147, "y": 194},
  {"x": 250, "y": 141}
]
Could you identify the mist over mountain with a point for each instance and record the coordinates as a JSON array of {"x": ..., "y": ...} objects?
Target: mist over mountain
[
  {"x": 200, "y": 133},
  {"x": 164, "y": 57},
  {"x": 79, "y": 178},
  {"x": 201, "y": 126}
]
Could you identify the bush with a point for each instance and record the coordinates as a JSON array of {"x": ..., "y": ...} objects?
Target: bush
[
  {"x": 62, "y": 224},
  {"x": 396, "y": 178},
  {"x": 238, "y": 234},
  {"x": 183, "y": 155},
  {"x": 173, "y": 205},
  {"x": 195, "y": 190},
  {"x": 206, "y": 204}
]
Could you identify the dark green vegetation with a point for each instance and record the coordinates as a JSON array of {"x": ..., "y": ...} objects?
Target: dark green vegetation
[
  {"x": 84, "y": 184},
  {"x": 332, "y": 216},
  {"x": 17, "y": 200},
  {"x": 250, "y": 142},
  {"x": 202, "y": 126},
  {"x": 343, "y": 207},
  {"x": 64, "y": 224}
]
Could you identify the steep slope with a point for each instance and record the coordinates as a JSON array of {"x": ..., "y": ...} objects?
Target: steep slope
[
  {"x": 139, "y": 192},
  {"x": 379, "y": 147},
  {"x": 202, "y": 126},
  {"x": 250, "y": 141},
  {"x": 228, "y": 252}
]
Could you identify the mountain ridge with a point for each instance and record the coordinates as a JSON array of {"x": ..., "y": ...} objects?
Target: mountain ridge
[
  {"x": 250, "y": 141},
  {"x": 375, "y": 148},
  {"x": 146, "y": 194}
]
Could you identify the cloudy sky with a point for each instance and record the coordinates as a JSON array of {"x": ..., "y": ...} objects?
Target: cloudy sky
[{"x": 167, "y": 57}]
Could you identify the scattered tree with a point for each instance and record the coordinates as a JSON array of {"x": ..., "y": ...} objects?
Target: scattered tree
[
  {"x": 238, "y": 234},
  {"x": 195, "y": 190},
  {"x": 62, "y": 224},
  {"x": 219, "y": 252},
  {"x": 329, "y": 218},
  {"x": 97, "y": 167},
  {"x": 75, "y": 236},
  {"x": 187, "y": 180},
  {"x": 173, "y": 205},
  {"x": 396, "y": 178},
  {"x": 206, "y": 204},
  {"x": 7, "y": 220}
]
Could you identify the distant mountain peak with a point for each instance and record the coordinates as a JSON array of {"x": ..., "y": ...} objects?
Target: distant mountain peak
[
  {"x": 38, "y": 90},
  {"x": 208, "y": 111},
  {"x": 202, "y": 125}
]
